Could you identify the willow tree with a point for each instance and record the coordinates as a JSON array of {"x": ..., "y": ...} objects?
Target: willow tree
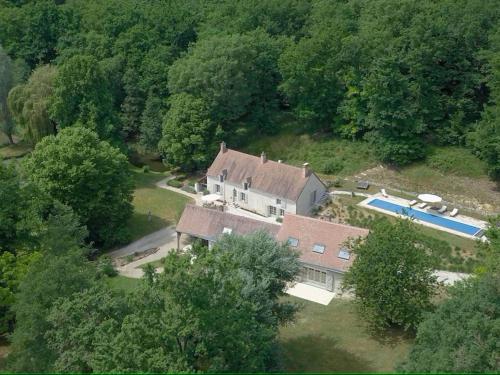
[
  {"x": 6, "y": 82},
  {"x": 29, "y": 104}
]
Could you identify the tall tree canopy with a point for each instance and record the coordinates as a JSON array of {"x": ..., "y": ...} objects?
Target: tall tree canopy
[
  {"x": 392, "y": 276},
  {"x": 189, "y": 135},
  {"x": 90, "y": 176},
  {"x": 235, "y": 74},
  {"x": 463, "y": 334},
  {"x": 81, "y": 94},
  {"x": 210, "y": 310}
]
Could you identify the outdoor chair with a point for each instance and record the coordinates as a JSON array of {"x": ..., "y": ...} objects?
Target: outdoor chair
[
  {"x": 442, "y": 210},
  {"x": 422, "y": 205},
  {"x": 454, "y": 212},
  {"x": 413, "y": 202},
  {"x": 384, "y": 193}
]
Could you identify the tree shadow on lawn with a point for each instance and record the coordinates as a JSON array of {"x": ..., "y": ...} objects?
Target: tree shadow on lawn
[
  {"x": 392, "y": 336},
  {"x": 320, "y": 354}
]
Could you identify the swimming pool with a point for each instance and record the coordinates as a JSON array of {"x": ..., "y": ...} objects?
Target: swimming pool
[{"x": 441, "y": 221}]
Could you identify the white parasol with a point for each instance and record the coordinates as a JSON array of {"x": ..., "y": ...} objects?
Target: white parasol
[
  {"x": 210, "y": 198},
  {"x": 430, "y": 198}
]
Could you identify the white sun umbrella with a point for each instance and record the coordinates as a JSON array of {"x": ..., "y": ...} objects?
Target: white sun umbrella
[
  {"x": 210, "y": 198},
  {"x": 430, "y": 198}
]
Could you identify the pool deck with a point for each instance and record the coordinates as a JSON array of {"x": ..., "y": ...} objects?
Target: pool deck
[{"x": 406, "y": 203}]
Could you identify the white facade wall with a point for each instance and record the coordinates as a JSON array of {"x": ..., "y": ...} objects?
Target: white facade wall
[
  {"x": 304, "y": 203},
  {"x": 333, "y": 278},
  {"x": 255, "y": 201}
]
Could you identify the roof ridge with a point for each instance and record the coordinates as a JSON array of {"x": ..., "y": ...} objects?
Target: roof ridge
[{"x": 267, "y": 161}]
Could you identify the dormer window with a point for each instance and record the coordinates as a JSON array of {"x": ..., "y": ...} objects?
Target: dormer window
[
  {"x": 227, "y": 230},
  {"x": 278, "y": 201},
  {"x": 294, "y": 242},
  {"x": 344, "y": 254},
  {"x": 318, "y": 248},
  {"x": 221, "y": 178},
  {"x": 245, "y": 186}
]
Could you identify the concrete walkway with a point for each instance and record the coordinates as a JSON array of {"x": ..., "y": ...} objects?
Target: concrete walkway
[
  {"x": 162, "y": 184},
  {"x": 310, "y": 293},
  {"x": 165, "y": 239}
]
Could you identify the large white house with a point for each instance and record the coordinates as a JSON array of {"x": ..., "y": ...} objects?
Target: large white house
[{"x": 266, "y": 187}]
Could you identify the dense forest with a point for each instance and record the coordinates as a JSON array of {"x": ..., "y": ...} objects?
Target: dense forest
[
  {"x": 178, "y": 76},
  {"x": 87, "y": 83}
]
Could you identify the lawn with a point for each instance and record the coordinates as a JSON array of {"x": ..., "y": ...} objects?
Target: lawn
[
  {"x": 126, "y": 284},
  {"x": 165, "y": 206},
  {"x": 334, "y": 338},
  {"x": 14, "y": 151}
]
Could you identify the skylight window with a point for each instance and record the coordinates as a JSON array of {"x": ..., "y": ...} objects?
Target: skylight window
[
  {"x": 227, "y": 230},
  {"x": 344, "y": 254},
  {"x": 318, "y": 248},
  {"x": 293, "y": 242}
]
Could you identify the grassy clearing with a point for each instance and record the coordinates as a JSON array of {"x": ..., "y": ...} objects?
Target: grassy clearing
[
  {"x": 165, "y": 206},
  {"x": 14, "y": 151},
  {"x": 334, "y": 338},
  {"x": 126, "y": 284},
  {"x": 452, "y": 172},
  {"x": 324, "y": 154}
]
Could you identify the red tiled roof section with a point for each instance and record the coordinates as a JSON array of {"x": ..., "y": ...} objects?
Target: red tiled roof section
[
  {"x": 311, "y": 231},
  {"x": 209, "y": 223},
  {"x": 279, "y": 179}
]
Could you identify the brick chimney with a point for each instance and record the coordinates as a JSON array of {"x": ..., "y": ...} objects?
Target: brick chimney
[
  {"x": 305, "y": 170},
  {"x": 223, "y": 147},
  {"x": 263, "y": 157}
]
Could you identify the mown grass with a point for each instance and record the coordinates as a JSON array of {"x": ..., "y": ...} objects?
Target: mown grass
[
  {"x": 126, "y": 284},
  {"x": 165, "y": 206},
  {"x": 335, "y": 338}
]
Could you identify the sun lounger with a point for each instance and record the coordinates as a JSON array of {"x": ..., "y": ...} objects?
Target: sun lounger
[
  {"x": 384, "y": 193},
  {"x": 413, "y": 202},
  {"x": 454, "y": 212},
  {"x": 442, "y": 210},
  {"x": 422, "y": 205}
]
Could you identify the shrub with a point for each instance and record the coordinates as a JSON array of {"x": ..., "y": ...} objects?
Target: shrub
[
  {"x": 189, "y": 189},
  {"x": 174, "y": 183},
  {"x": 331, "y": 166},
  {"x": 105, "y": 266},
  {"x": 337, "y": 182},
  {"x": 145, "y": 169},
  {"x": 279, "y": 219}
]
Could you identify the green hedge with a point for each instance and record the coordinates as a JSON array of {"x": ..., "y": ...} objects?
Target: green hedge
[{"x": 175, "y": 183}]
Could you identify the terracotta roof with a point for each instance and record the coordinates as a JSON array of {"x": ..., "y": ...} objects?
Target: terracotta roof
[
  {"x": 271, "y": 177},
  {"x": 309, "y": 231},
  {"x": 209, "y": 223}
]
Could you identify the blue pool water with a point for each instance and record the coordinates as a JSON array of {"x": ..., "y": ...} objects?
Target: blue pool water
[{"x": 425, "y": 216}]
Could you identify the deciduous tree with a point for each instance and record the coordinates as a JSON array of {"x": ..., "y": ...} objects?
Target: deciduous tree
[
  {"x": 462, "y": 335},
  {"x": 391, "y": 277},
  {"x": 88, "y": 175}
]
